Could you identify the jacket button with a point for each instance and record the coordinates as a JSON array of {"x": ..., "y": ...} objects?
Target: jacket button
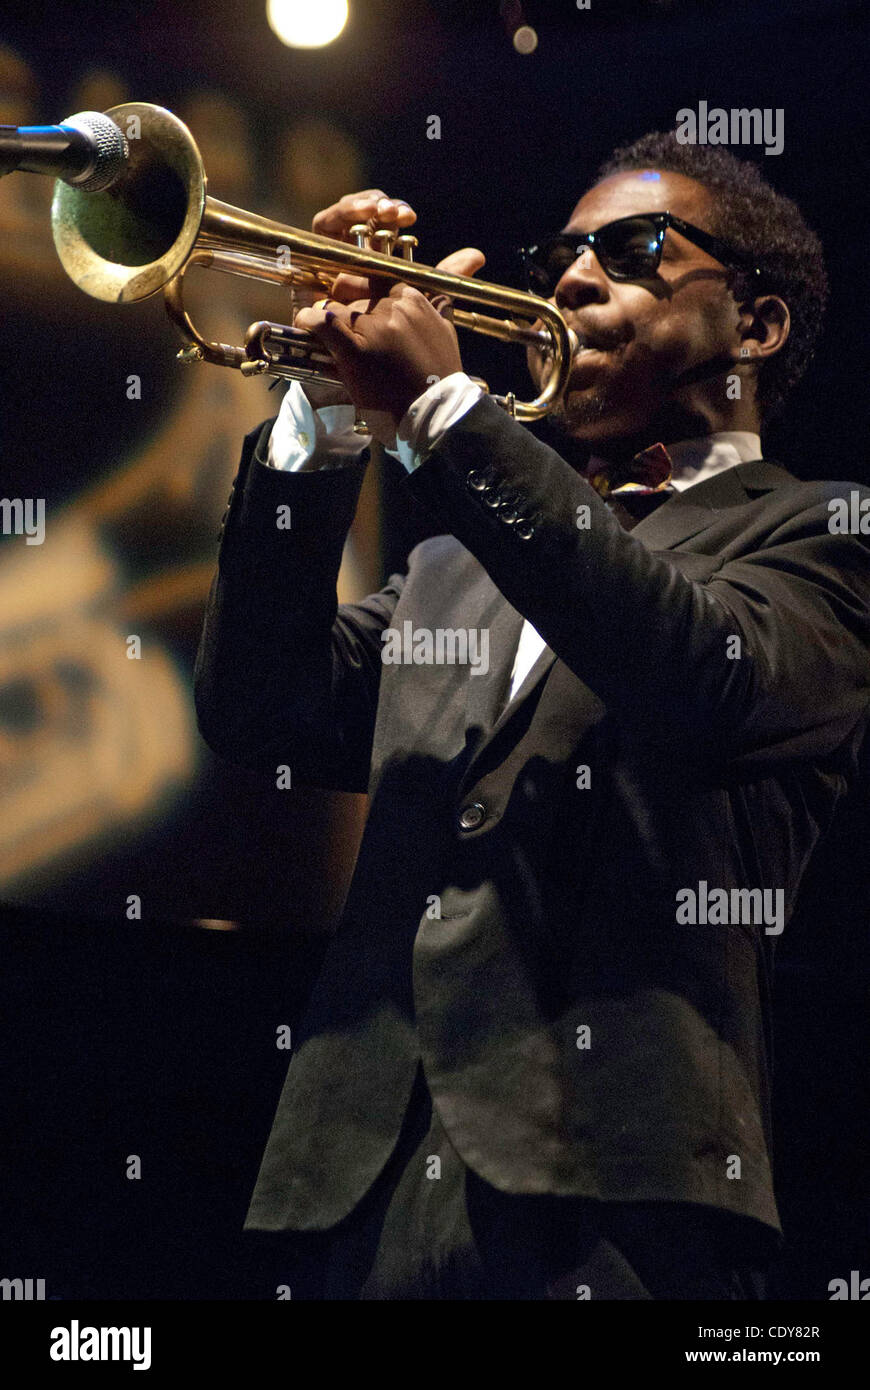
[
  {"x": 524, "y": 528},
  {"x": 470, "y": 817},
  {"x": 478, "y": 479},
  {"x": 508, "y": 515}
]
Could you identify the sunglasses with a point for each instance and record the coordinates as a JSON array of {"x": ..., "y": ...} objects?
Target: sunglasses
[{"x": 628, "y": 249}]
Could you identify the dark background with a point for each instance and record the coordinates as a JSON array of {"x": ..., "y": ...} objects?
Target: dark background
[{"x": 158, "y": 1037}]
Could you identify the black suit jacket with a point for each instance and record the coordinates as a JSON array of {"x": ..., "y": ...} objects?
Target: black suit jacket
[{"x": 709, "y": 760}]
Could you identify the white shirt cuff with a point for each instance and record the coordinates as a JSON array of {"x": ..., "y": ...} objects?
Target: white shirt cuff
[
  {"x": 433, "y": 412},
  {"x": 305, "y": 438}
]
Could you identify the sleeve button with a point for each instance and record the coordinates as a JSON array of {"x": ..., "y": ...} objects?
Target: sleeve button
[
  {"x": 470, "y": 817},
  {"x": 478, "y": 479}
]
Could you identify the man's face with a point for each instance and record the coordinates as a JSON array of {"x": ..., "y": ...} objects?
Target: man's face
[{"x": 646, "y": 336}]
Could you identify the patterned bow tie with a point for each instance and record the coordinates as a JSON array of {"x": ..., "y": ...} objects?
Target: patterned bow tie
[{"x": 648, "y": 472}]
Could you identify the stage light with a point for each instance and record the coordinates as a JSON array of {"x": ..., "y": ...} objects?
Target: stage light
[
  {"x": 525, "y": 39},
  {"x": 307, "y": 23}
]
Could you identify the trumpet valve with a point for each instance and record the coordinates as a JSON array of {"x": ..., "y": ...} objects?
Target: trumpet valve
[
  {"x": 404, "y": 246},
  {"x": 360, "y": 233},
  {"x": 382, "y": 240}
]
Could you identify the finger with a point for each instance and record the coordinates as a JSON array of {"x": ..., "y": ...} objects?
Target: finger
[
  {"x": 394, "y": 212},
  {"x": 444, "y": 305},
  {"x": 410, "y": 296},
  {"x": 372, "y": 204},
  {"x": 335, "y": 220},
  {"x": 332, "y": 329},
  {"x": 346, "y": 288},
  {"x": 303, "y": 296},
  {"x": 323, "y": 315},
  {"x": 464, "y": 262},
  {"x": 338, "y": 335}
]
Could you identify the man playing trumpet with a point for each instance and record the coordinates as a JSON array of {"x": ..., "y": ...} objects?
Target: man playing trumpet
[{"x": 536, "y": 1062}]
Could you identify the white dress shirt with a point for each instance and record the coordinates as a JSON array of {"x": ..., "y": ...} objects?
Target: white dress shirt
[{"x": 307, "y": 438}]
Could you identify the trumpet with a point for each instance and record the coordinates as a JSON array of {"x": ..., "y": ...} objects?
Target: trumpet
[{"x": 144, "y": 232}]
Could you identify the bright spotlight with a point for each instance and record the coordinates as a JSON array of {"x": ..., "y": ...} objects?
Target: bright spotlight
[
  {"x": 306, "y": 23},
  {"x": 525, "y": 39}
]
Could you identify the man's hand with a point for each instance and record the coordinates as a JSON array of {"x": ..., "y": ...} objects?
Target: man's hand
[
  {"x": 389, "y": 341},
  {"x": 373, "y": 207},
  {"x": 387, "y": 351}
]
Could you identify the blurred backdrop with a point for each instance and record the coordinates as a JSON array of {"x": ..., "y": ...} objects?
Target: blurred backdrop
[{"x": 158, "y": 1035}]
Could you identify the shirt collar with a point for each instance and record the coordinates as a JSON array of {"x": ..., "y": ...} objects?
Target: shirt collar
[{"x": 695, "y": 460}]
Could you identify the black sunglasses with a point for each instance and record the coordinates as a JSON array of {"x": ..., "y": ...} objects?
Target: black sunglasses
[{"x": 628, "y": 249}]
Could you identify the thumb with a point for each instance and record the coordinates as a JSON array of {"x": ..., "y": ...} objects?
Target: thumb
[{"x": 464, "y": 262}]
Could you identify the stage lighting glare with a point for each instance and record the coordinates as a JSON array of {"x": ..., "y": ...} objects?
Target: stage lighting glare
[
  {"x": 307, "y": 23},
  {"x": 525, "y": 39}
]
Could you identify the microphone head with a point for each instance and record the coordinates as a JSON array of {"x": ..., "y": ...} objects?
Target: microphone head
[{"x": 110, "y": 150}]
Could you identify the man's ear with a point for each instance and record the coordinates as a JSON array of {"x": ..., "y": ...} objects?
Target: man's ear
[{"x": 763, "y": 327}]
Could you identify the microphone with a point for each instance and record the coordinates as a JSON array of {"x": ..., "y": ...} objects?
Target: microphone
[{"x": 86, "y": 150}]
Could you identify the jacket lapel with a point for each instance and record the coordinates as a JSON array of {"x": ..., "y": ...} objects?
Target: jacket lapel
[
  {"x": 485, "y": 693},
  {"x": 688, "y": 512},
  {"x": 538, "y": 670}
]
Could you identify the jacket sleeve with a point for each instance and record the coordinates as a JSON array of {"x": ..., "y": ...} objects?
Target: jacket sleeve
[
  {"x": 284, "y": 674},
  {"x": 654, "y": 645}
]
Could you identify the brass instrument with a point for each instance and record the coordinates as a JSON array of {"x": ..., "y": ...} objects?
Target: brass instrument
[{"x": 144, "y": 232}]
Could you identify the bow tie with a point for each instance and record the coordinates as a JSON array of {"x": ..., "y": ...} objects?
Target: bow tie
[{"x": 648, "y": 472}]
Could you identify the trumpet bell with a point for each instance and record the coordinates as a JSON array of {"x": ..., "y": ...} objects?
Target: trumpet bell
[{"x": 127, "y": 242}]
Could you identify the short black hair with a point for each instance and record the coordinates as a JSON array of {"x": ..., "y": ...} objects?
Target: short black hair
[{"x": 748, "y": 214}]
